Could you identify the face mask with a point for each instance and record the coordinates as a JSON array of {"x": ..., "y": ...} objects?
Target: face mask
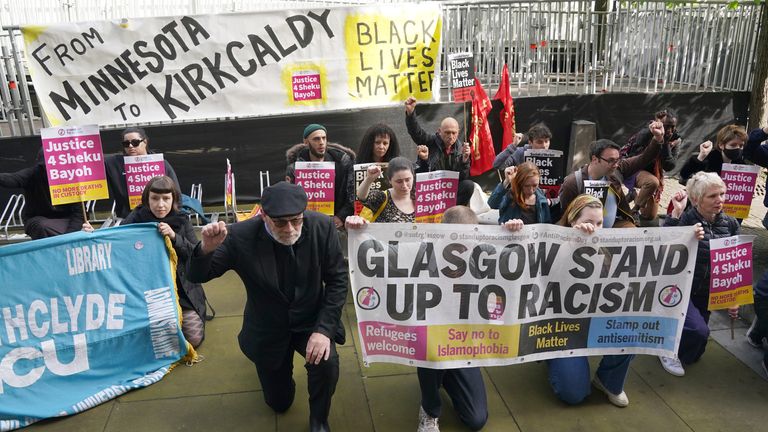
[{"x": 732, "y": 154}]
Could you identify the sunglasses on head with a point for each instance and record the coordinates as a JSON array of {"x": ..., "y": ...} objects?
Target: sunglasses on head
[{"x": 132, "y": 143}]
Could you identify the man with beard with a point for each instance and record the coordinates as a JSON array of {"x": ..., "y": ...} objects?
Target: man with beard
[
  {"x": 316, "y": 148},
  {"x": 295, "y": 276}
]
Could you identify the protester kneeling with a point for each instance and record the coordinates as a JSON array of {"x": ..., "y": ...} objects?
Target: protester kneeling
[
  {"x": 160, "y": 203},
  {"x": 707, "y": 193}
]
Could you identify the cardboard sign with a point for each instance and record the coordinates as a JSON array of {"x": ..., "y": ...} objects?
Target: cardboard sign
[
  {"x": 139, "y": 170},
  {"x": 551, "y": 169},
  {"x": 317, "y": 179},
  {"x": 435, "y": 193},
  {"x": 739, "y": 188},
  {"x": 74, "y": 163},
  {"x": 380, "y": 184},
  {"x": 730, "y": 282},
  {"x": 462, "y": 79}
]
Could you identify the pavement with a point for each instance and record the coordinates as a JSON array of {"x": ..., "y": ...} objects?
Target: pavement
[{"x": 726, "y": 390}]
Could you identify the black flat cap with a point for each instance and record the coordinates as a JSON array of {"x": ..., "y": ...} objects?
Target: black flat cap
[{"x": 283, "y": 199}]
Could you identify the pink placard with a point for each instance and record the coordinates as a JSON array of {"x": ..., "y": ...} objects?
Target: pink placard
[
  {"x": 73, "y": 159},
  {"x": 435, "y": 193},
  {"x": 730, "y": 282},
  {"x": 740, "y": 188},
  {"x": 306, "y": 87},
  {"x": 317, "y": 179},
  {"x": 380, "y": 338},
  {"x": 138, "y": 171},
  {"x": 74, "y": 163}
]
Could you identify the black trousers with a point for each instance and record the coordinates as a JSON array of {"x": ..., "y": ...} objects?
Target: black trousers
[
  {"x": 464, "y": 386},
  {"x": 39, "y": 227},
  {"x": 466, "y": 189},
  {"x": 279, "y": 387}
]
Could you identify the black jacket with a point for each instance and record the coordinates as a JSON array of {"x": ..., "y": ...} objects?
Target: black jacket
[
  {"x": 723, "y": 226},
  {"x": 118, "y": 189},
  {"x": 667, "y": 154},
  {"x": 191, "y": 295},
  {"x": 269, "y": 317},
  {"x": 37, "y": 195},
  {"x": 437, "y": 159},
  {"x": 712, "y": 163},
  {"x": 344, "y": 181}
]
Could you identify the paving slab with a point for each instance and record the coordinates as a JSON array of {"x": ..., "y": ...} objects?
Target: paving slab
[
  {"x": 225, "y": 368},
  {"x": 394, "y": 402},
  {"x": 226, "y": 294},
  {"x": 225, "y": 412},
  {"x": 716, "y": 394},
  {"x": 526, "y": 391},
  {"x": 95, "y": 419}
]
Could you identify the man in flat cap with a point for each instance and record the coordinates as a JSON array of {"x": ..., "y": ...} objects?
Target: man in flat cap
[
  {"x": 316, "y": 148},
  {"x": 290, "y": 262}
]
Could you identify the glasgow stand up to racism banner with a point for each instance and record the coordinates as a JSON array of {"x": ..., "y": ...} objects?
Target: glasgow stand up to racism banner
[
  {"x": 84, "y": 318},
  {"x": 249, "y": 64},
  {"x": 446, "y": 296}
]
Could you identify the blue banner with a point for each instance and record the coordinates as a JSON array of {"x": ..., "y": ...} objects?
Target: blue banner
[{"x": 84, "y": 318}]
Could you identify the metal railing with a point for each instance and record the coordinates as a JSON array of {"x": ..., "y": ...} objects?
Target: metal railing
[{"x": 551, "y": 47}]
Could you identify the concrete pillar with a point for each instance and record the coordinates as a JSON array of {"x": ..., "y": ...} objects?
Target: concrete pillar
[{"x": 583, "y": 133}]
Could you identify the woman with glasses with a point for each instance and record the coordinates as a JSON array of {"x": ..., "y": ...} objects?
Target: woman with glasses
[{"x": 135, "y": 143}]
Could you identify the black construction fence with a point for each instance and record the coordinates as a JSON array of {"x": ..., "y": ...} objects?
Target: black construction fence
[{"x": 198, "y": 151}]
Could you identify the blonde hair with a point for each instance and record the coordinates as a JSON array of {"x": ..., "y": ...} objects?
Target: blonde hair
[
  {"x": 700, "y": 183},
  {"x": 577, "y": 206}
]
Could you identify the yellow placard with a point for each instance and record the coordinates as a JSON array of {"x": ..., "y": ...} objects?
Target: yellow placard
[
  {"x": 324, "y": 207},
  {"x": 76, "y": 192},
  {"x": 392, "y": 56},
  {"x": 724, "y": 300},
  {"x": 470, "y": 342}
]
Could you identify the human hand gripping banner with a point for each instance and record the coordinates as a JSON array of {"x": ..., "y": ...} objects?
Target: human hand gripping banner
[
  {"x": 446, "y": 296},
  {"x": 85, "y": 318},
  {"x": 247, "y": 64}
]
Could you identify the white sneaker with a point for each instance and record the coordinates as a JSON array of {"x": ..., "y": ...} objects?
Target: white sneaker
[
  {"x": 672, "y": 365},
  {"x": 620, "y": 400},
  {"x": 427, "y": 423},
  {"x": 751, "y": 340}
]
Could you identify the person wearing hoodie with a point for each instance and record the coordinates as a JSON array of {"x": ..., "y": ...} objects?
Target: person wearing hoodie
[
  {"x": 41, "y": 218},
  {"x": 316, "y": 148}
]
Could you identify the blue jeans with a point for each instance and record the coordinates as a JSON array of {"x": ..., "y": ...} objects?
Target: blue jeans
[{"x": 569, "y": 376}]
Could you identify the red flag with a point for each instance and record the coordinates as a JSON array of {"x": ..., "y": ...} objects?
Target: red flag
[
  {"x": 481, "y": 141},
  {"x": 507, "y": 115}
]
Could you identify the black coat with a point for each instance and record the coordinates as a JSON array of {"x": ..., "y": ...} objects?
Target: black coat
[
  {"x": 343, "y": 182},
  {"x": 712, "y": 163},
  {"x": 723, "y": 226},
  {"x": 192, "y": 295},
  {"x": 118, "y": 189},
  {"x": 437, "y": 159},
  {"x": 269, "y": 317},
  {"x": 37, "y": 196}
]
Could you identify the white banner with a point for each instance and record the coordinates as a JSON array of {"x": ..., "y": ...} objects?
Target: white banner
[
  {"x": 446, "y": 296},
  {"x": 250, "y": 64}
]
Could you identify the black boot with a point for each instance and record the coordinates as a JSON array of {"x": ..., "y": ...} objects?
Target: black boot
[{"x": 316, "y": 425}]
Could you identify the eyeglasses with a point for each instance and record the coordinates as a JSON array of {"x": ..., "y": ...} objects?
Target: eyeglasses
[
  {"x": 282, "y": 223},
  {"x": 132, "y": 143},
  {"x": 609, "y": 161}
]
